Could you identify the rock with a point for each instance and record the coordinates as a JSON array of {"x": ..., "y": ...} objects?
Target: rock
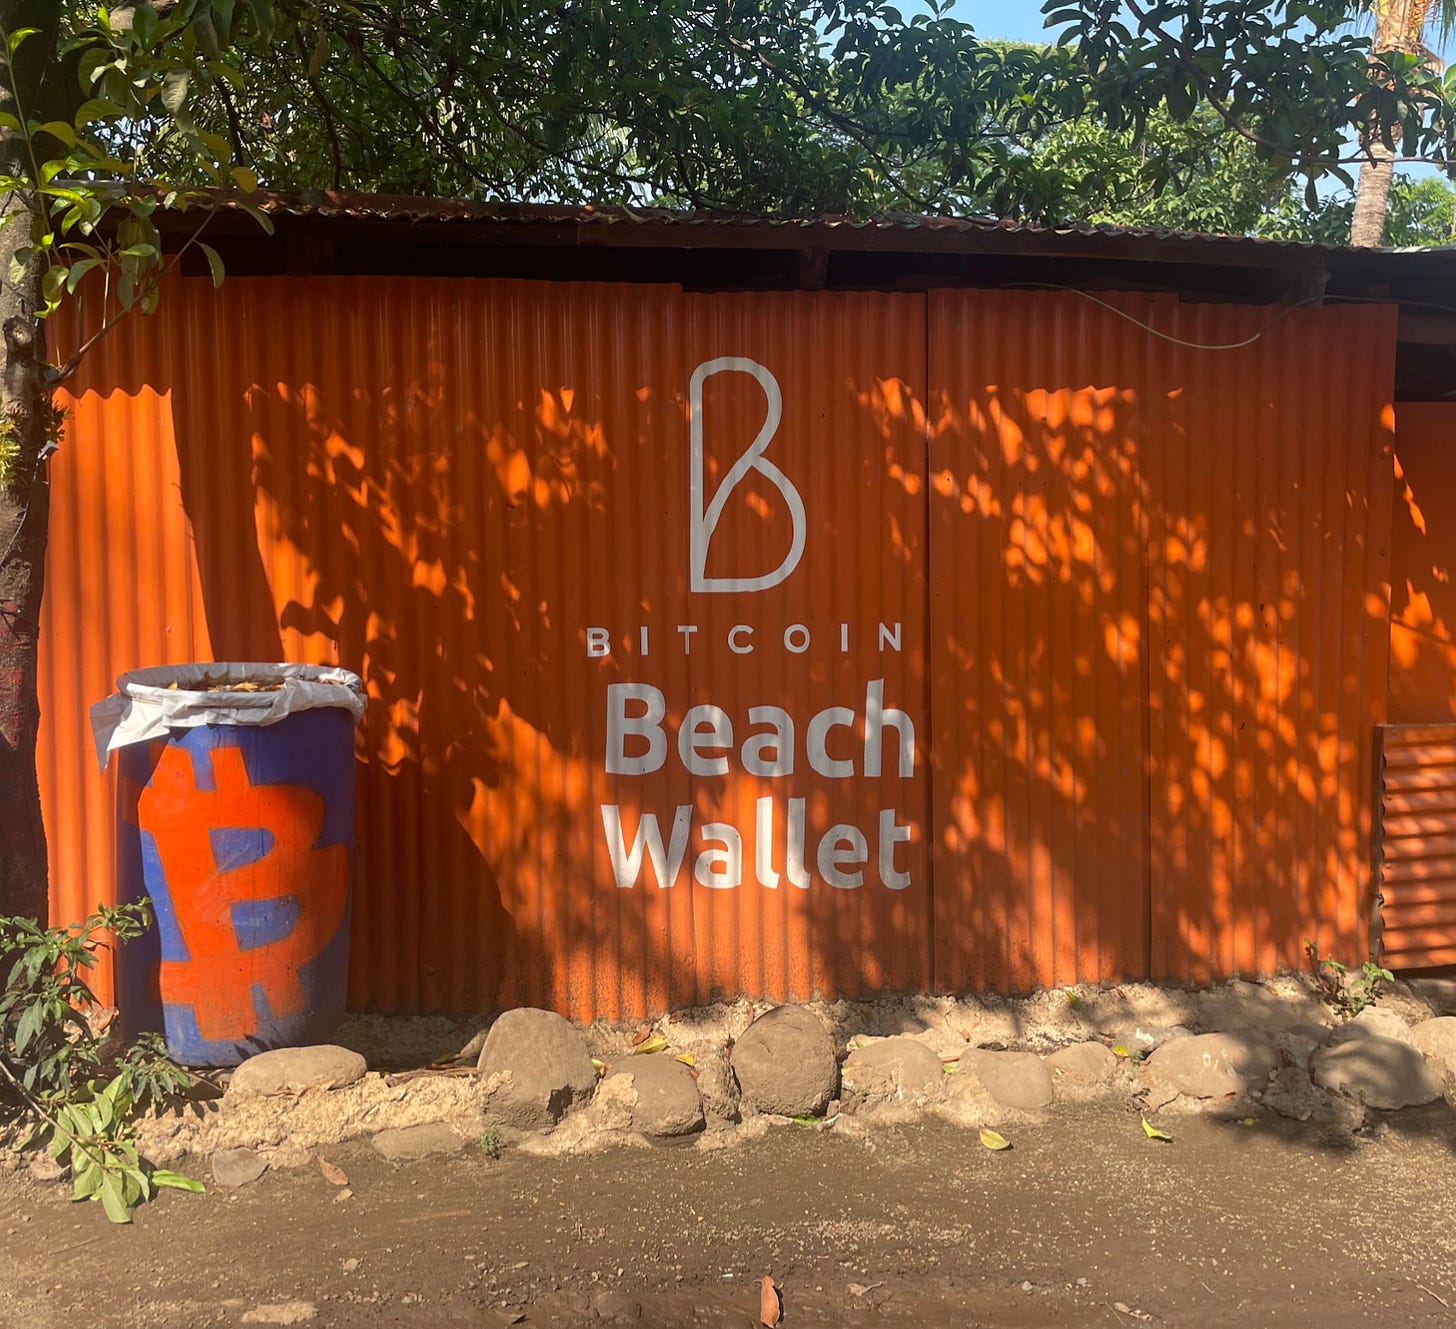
[
  {"x": 323, "y": 1067},
  {"x": 610, "y": 1111},
  {"x": 1294, "y": 1095},
  {"x": 717, "y": 1085},
  {"x": 285, "y": 1156},
  {"x": 785, "y": 1063},
  {"x": 548, "y": 1064},
  {"x": 407, "y": 1143},
  {"x": 1300, "y": 1042},
  {"x": 616, "y": 1307},
  {"x": 1437, "y": 1039},
  {"x": 1147, "y": 1039},
  {"x": 1436, "y": 994},
  {"x": 1016, "y": 1080},
  {"x": 1215, "y": 1065},
  {"x": 943, "y": 1041},
  {"x": 667, "y": 1098},
  {"x": 968, "y": 1102},
  {"x": 1083, "y": 1068},
  {"x": 43, "y": 1168},
  {"x": 1403, "y": 1000},
  {"x": 1377, "y": 1071},
  {"x": 1155, "y": 1092},
  {"x": 1373, "y": 1021},
  {"x": 237, "y": 1167},
  {"x": 894, "y": 1069}
]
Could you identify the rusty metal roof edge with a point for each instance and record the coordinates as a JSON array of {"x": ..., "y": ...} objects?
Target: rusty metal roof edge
[{"x": 882, "y": 229}]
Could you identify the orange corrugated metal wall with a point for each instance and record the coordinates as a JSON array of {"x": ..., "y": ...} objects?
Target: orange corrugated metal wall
[{"x": 1124, "y": 607}]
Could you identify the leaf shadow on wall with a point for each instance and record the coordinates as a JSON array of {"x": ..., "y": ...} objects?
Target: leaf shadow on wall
[{"x": 1160, "y": 644}]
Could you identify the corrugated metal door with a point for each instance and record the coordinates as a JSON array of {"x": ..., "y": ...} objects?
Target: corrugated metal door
[{"x": 1416, "y": 847}]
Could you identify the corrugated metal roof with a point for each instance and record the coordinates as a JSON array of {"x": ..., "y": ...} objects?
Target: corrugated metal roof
[{"x": 402, "y": 208}]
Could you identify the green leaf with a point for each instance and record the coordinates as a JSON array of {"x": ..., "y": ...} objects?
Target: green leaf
[
  {"x": 113, "y": 1200},
  {"x": 35, "y": 1139},
  {"x": 87, "y": 1181},
  {"x": 97, "y": 108},
  {"x": 220, "y": 148},
  {"x": 257, "y": 214},
  {"x": 175, "y": 1181},
  {"x": 29, "y": 1024},
  {"x": 53, "y": 285},
  {"x": 319, "y": 54},
  {"x": 245, "y": 179},
  {"x": 214, "y": 263},
  {"x": 58, "y": 129},
  {"x": 174, "y": 89},
  {"x": 20, "y": 35}
]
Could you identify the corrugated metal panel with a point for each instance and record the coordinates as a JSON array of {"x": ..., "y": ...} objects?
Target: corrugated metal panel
[
  {"x": 1160, "y": 586},
  {"x": 1037, "y": 614},
  {"x": 1423, "y": 566},
  {"x": 1417, "y": 845},
  {"x": 444, "y": 485},
  {"x": 1268, "y": 606}
]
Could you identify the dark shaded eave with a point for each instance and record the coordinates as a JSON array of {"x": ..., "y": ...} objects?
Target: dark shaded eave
[{"x": 356, "y": 234}]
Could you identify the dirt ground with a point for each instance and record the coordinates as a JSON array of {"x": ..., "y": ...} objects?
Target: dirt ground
[{"x": 1083, "y": 1222}]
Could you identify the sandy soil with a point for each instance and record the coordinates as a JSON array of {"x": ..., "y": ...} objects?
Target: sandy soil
[{"x": 1083, "y": 1222}]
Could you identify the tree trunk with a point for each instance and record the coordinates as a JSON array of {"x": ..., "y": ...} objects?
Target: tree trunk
[
  {"x": 24, "y": 494},
  {"x": 1398, "y": 25},
  {"x": 1372, "y": 196}
]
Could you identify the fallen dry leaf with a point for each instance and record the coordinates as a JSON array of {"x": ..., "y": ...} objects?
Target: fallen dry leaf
[
  {"x": 992, "y": 1140},
  {"x": 332, "y": 1172},
  {"x": 99, "y": 1019},
  {"x": 642, "y": 1035},
  {"x": 770, "y": 1304},
  {"x": 649, "y": 1045}
]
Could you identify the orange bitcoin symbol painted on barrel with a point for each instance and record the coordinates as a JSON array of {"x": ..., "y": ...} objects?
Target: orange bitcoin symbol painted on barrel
[{"x": 219, "y": 975}]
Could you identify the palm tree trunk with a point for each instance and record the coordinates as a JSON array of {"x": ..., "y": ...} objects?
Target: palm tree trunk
[
  {"x": 1372, "y": 196},
  {"x": 1398, "y": 27}
]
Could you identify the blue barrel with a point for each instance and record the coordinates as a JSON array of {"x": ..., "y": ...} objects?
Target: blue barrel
[{"x": 242, "y": 836}]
